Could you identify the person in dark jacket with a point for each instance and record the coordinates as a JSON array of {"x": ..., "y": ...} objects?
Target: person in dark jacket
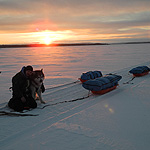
[{"x": 22, "y": 98}]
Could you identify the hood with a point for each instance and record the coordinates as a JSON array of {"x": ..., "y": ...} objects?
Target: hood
[{"x": 23, "y": 71}]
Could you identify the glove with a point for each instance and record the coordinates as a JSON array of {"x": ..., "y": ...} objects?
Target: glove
[{"x": 23, "y": 99}]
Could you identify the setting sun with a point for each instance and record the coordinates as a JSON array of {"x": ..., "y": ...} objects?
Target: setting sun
[
  {"x": 42, "y": 37},
  {"x": 48, "y": 37},
  {"x": 47, "y": 40}
]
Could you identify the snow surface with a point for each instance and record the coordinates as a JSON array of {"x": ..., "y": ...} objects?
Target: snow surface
[{"x": 118, "y": 120}]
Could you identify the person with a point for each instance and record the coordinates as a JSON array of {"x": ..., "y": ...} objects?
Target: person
[{"x": 21, "y": 96}]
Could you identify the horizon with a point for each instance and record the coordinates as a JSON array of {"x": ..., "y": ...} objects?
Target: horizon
[
  {"x": 51, "y": 22},
  {"x": 65, "y": 44}
]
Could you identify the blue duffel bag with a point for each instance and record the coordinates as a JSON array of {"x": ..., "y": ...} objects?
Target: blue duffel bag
[
  {"x": 139, "y": 70},
  {"x": 91, "y": 75},
  {"x": 102, "y": 83}
]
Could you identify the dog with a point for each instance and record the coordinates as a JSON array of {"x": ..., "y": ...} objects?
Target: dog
[{"x": 37, "y": 79}]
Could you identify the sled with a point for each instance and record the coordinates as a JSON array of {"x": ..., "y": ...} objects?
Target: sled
[
  {"x": 140, "y": 71},
  {"x": 101, "y": 92},
  {"x": 102, "y": 85},
  {"x": 140, "y": 74},
  {"x": 6, "y": 113}
]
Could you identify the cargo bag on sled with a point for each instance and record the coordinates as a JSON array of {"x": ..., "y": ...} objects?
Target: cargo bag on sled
[
  {"x": 140, "y": 71},
  {"x": 102, "y": 85},
  {"x": 90, "y": 75}
]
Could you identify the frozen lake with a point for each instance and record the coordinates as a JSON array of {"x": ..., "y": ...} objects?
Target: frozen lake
[
  {"x": 118, "y": 120},
  {"x": 62, "y": 64}
]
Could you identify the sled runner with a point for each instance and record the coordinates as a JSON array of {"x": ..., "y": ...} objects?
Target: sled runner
[
  {"x": 101, "y": 92},
  {"x": 102, "y": 85},
  {"x": 6, "y": 111},
  {"x": 2, "y": 113},
  {"x": 140, "y": 71},
  {"x": 90, "y": 75}
]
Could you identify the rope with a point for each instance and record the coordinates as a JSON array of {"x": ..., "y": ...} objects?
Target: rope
[
  {"x": 62, "y": 85},
  {"x": 129, "y": 82},
  {"x": 67, "y": 101},
  {"x": 10, "y": 89}
]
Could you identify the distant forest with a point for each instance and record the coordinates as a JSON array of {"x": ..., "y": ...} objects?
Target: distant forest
[{"x": 71, "y": 44}]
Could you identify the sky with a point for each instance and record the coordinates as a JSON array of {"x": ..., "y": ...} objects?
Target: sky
[{"x": 74, "y": 21}]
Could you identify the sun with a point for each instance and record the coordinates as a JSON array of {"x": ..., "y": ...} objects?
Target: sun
[
  {"x": 47, "y": 40},
  {"x": 48, "y": 37}
]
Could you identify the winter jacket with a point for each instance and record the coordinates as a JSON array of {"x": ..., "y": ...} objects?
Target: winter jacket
[{"x": 20, "y": 84}]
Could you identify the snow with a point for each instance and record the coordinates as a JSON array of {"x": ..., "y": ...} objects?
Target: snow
[{"x": 118, "y": 120}]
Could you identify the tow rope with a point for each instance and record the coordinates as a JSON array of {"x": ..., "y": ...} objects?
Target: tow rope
[
  {"x": 56, "y": 86},
  {"x": 129, "y": 82},
  {"x": 62, "y": 85},
  {"x": 73, "y": 100}
]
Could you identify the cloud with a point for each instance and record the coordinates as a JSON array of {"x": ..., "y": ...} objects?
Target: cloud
[
  {"x": 82, "y": 17},
  {"x": 82, "y": 7}
]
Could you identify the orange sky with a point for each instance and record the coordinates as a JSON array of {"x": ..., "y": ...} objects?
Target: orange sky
[{"x": 61, "y": 21}]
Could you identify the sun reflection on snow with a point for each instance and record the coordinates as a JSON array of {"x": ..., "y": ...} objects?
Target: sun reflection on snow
[{"x": 109, "y": 109}]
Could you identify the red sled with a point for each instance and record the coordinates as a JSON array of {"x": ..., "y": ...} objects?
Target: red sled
[
  {"x": 140, "y": 74},
  {"x": 104, "y": 91},
  {"x": 82, "y": 80}
]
